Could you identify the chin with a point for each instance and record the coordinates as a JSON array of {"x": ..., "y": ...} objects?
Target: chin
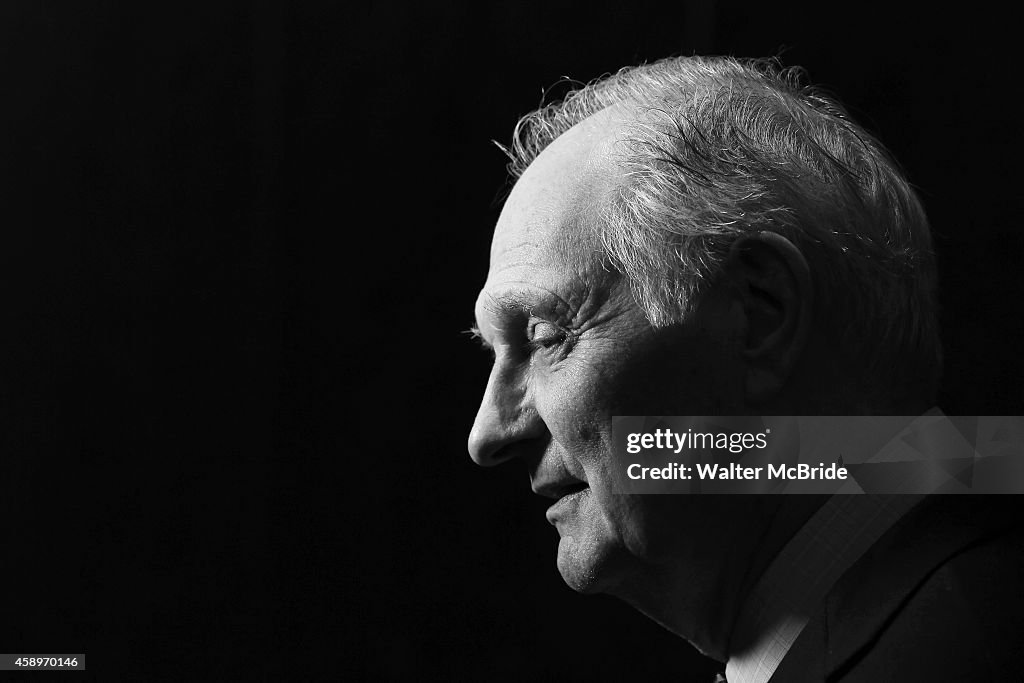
[{"x": 589, "y": 563}]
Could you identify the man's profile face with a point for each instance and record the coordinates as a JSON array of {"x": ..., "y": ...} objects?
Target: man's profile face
[{"x": 573, "y": 349}]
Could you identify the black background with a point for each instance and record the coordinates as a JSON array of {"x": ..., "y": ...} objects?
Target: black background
[{"x": 240, "y": 243}]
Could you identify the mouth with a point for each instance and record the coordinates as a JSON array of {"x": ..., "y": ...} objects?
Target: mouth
[
  {"x": 553, "y": 479},
  {"x": 567, "y": 498}
]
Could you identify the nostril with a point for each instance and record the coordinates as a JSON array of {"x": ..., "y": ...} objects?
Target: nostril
[
  {"x": 488, "y": 449},
  {"x": 482, "y": 445},
  {"x": 495, "y": 427},
  {"x": 505, "y": 420}
]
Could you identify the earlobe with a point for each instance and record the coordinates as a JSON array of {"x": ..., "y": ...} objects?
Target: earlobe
[{"x": 773, "y": 285}]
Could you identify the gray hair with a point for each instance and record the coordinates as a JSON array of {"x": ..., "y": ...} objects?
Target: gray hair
[{"x": 717, "y": 148}]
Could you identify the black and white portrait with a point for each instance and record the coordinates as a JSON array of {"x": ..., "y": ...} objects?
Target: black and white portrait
[{"x": 512, "y": 341}]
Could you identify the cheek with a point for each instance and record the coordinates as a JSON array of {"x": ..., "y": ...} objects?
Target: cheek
[
  {"x": 680, "y": 374},
  {"x": 572, "y": 402},
  {"x": 577, "y": 403}
]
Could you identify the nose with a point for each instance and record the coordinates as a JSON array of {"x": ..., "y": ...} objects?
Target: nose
[{"x": 506, "y": 420}]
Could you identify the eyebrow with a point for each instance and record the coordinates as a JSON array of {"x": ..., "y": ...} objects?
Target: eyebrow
[
  {"x": 511, "y": 302},
  {"x": 505, "y": 305}
]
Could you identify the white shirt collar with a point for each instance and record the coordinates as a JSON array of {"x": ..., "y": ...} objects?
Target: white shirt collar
[{"x": 796, "y": 582}]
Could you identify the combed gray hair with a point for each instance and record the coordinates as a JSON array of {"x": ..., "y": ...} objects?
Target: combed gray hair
[{"x": 718, "y": 147}]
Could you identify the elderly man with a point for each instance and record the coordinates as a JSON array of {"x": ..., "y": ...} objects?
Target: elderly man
[{"x": 705, "y": 236}]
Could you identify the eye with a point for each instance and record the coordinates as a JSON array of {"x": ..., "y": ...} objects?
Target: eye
[{"x": 545, "y": 335}]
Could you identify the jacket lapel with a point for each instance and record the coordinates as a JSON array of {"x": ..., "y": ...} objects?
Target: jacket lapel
[{"x": 868, "y": 595}]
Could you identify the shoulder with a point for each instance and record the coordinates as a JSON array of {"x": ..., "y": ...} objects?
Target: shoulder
[{"x": 958, "y": 609}]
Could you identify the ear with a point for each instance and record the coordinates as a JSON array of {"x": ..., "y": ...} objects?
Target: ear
[{"x": 772, "y": 283}]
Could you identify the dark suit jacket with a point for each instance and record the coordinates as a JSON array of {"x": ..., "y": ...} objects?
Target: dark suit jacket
[{"x": 940, "y": 597}]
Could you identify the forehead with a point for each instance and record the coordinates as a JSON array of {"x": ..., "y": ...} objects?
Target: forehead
[
  {"x": 548, "y": 217},
  {"x": 561, "y": 188}
]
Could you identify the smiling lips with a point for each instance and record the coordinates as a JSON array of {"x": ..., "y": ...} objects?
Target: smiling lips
[
  {"x": 552, "y": 479},
  {"x": 569, "y": 496}
]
